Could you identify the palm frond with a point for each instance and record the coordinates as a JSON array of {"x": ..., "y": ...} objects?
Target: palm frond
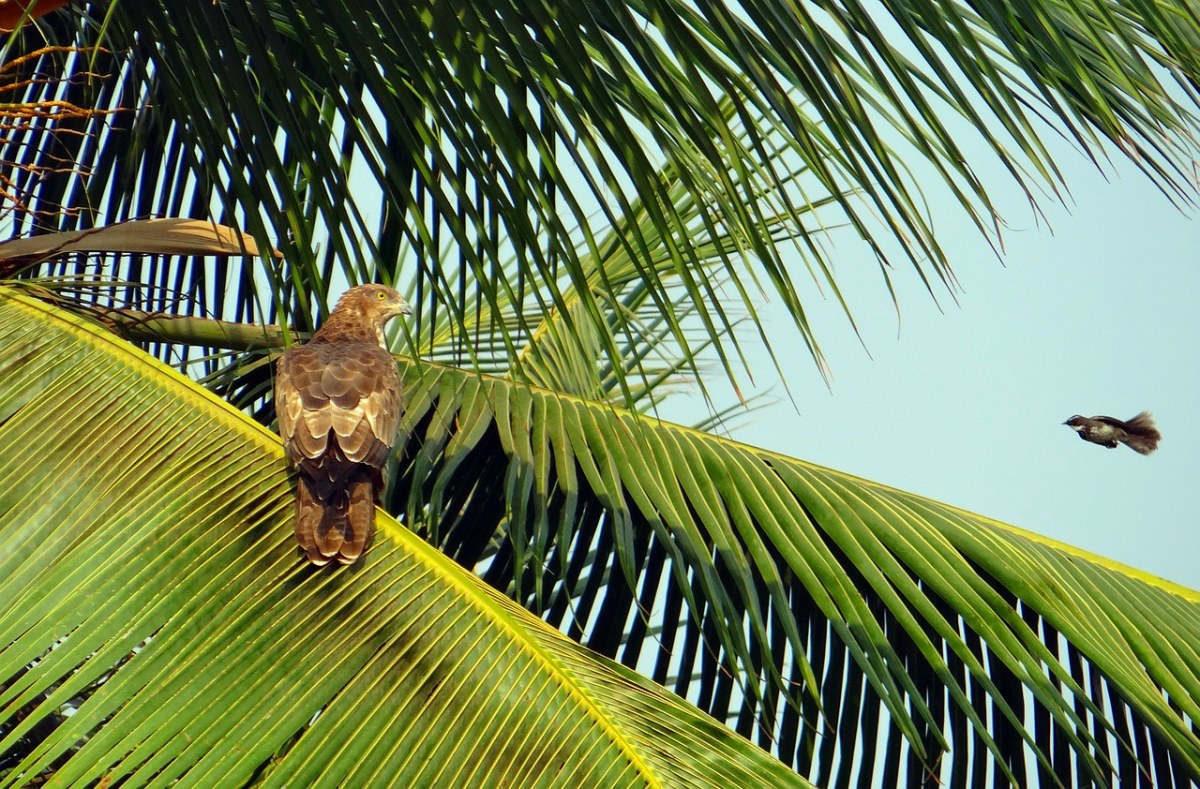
[
  {"x": 805, "y": 605},
  {"x": 158, "y": 626}
]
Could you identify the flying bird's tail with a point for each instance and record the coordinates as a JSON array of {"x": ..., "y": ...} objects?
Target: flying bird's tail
[
  {"x": 339, "y": 528},
  {"x": 1141, "y": 434}
]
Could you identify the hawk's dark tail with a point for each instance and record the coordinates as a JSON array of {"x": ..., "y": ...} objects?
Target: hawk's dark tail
[
  {"x": 339, "y": 529},
  {"x": 1142, "y": 436}
]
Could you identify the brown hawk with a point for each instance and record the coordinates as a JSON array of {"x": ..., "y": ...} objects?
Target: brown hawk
[{"x": 337, "y": 399}]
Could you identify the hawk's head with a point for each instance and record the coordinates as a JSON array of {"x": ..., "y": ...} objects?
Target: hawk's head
[
  {"x": 374, "y": 302},
  {"x": 363, "y": 310}
]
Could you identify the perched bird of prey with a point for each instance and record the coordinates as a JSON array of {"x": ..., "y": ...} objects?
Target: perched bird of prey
[
  {"x": 1139, "y": 433},
  {"x": 338, "y": 403}
]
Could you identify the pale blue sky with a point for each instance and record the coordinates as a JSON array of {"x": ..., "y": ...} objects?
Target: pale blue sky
[{"x": 1101, "y": 315}]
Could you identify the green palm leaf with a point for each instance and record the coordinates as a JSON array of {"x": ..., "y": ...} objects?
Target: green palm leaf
[
  {"x": 152, "y": 588},
  {"x": 960, "y": 627}
]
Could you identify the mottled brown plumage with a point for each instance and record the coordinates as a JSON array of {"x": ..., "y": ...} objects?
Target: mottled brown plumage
[{"x": 338, "y": 402}]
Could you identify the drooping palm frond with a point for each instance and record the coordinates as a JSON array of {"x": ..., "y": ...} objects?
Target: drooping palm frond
[
  {"x": 566, "y": 352},
  {"x": 366, "y": 139},
  {"x": 563, "y": 353},
  {"x": 157, "y": 626},
  {"x": 807, "y": 606}
]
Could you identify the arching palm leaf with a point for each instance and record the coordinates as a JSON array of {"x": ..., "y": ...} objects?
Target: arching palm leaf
[
  {"x": 151, "y": 587},
  {"x": 961, "y": 628}
]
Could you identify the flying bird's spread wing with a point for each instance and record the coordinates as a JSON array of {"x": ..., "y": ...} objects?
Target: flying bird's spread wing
[{"x": 338, "y": 402}]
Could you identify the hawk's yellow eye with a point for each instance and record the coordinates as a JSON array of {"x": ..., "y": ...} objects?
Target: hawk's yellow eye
[{"x": 381, "y": 295}]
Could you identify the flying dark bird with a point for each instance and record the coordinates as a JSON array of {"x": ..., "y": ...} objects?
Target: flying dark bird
[
  {"x": 338, "y": 401},
  {"x": 1139, "y": 433}
]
